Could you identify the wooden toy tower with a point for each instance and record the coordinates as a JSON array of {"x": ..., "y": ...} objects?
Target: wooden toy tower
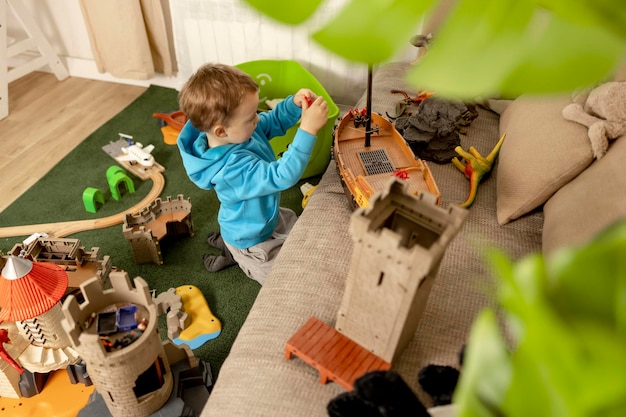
[{"x": 399, "y": 241}]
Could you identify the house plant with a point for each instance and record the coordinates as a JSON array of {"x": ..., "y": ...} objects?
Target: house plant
[
  {"x": 563, "y": 353},
  {"x": 566, "y": 316}
]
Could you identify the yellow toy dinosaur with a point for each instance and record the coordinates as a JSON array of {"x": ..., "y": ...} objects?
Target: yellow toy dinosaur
[{"x": 476, "y": 167}]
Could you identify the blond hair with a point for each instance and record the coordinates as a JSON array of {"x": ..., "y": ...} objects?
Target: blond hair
[{"x": 212, "y": 94}]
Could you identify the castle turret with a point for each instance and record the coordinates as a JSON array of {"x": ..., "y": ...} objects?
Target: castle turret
[
  {"x": 145, "y": 230},
  {"x": 134, "y": 380},
  {"x": 399, "y": 241},
  {"x": 30, "y": 297}
]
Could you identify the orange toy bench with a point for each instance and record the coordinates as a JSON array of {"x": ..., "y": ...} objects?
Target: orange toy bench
[{"x": 335, "y": 356}]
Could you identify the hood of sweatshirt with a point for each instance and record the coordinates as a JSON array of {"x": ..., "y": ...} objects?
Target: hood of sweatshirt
[{"x": 201, "y": 162}]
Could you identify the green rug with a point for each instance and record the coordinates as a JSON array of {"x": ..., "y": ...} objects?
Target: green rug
[{"x": 58, "y": 197}]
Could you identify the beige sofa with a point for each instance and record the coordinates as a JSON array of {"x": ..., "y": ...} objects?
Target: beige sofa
[{"x": 546, "y": 191}]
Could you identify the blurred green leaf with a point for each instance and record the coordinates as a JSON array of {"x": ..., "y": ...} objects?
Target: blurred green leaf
[
  {"x": 563, "y": 57},
  {"x": 590, "y": 282},
  {"x": 485, "y": 48},
  {"x": 473, "y": 52},
  {"x": 291, "y": 12},
  {"x": 521, "y": 286},
  {"x": 602, "y": 357},
  {"x": 568, "y": 369},
  {"x": 486, "y": 370},
  {"x": 506, "y": 48},
  {"x": 521, "y": 291},
  {"x": 609, "y": 14},
  {"x": 372, "y": 31},
  {"x": 544, "y": 368},
  {"x": 568, "y": 355}
]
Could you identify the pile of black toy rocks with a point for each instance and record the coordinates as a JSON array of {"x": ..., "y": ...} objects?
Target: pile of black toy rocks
[
  {"x": 386, "y": 394},
  {"x": 432, "y": 131}
]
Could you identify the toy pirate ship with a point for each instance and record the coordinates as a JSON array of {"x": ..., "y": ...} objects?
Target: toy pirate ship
[{"x": 368, "y": 150}]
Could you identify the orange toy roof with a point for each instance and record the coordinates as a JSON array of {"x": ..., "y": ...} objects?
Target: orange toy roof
[{"x": 29, "y": 289}]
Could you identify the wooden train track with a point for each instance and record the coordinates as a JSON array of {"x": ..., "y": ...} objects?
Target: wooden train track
[{"x": 63, "y": 229}]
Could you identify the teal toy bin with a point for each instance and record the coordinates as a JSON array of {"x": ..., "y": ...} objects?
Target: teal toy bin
[{"x": 280, "y": 78}]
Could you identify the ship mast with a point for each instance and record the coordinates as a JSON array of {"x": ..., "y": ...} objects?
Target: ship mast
[{"x": 368, "y": 108}]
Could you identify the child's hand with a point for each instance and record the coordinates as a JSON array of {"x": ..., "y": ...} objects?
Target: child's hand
[
  {"x": 303, "y": 96},
  {"x": 314, "y": 117}
]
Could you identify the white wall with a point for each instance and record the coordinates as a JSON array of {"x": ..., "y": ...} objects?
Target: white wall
[
  {"x": 230, "y": 32},
  {"x": 203, "y": 31}
]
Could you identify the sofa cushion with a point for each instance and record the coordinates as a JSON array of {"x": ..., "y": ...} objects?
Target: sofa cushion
[
  {"x": 587, "y": 204},
  {"x": 541, "y": 153}
]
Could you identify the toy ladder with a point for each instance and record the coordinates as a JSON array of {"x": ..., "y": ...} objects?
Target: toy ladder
[{"x": 36, "y": 40}]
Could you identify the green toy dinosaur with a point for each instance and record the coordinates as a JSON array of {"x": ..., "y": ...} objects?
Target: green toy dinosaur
[{"x": 476, "y": 167}]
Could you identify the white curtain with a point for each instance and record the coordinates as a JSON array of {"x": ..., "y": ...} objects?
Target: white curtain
[
  {"x": 130, "y": 38},
  {"x": 231, "y": 32}
]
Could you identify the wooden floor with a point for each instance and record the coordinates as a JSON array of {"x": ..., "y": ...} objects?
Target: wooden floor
[{"x": 47, "y": 119}]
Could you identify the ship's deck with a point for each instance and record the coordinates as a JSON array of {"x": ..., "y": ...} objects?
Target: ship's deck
[{"x": 387, "y": 153}]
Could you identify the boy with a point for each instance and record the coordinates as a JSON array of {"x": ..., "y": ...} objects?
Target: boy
[{"x": 225, "y": 147}]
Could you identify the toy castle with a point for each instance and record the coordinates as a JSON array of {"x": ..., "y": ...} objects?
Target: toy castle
[
  {"x": 399, "y": 241},
  {"x": 47, "y": 325},
  {"x": 30, "y": 312},
  {"x": 79, "y": 263},
  {"x": 136, "y": 379},
  {"x": 144, "y": 231}
]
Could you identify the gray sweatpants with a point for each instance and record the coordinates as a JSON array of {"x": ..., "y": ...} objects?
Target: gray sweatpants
[{"x": 257, "y": 260}]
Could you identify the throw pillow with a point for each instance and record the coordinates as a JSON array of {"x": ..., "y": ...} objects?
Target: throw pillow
[
  {"x": 589, "y": 203},
  {"x": 541, "y": 152}
]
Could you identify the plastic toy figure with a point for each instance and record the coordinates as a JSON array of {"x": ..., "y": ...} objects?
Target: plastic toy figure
[
  {"x": 359, "y": 115},
  {"x": 476, "y": 167},
  {"x": 403, "y": 174},
  {"x": 402, "y": 105},
  {"x": 4, "y": 338},
  {"x": 137, "y": 153}
]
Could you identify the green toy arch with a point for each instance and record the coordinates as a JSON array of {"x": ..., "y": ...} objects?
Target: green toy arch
[{"x": 118, "y": 178}]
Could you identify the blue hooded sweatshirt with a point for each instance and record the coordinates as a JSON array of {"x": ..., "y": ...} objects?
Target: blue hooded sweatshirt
[{"x": 246, "y": 177}]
